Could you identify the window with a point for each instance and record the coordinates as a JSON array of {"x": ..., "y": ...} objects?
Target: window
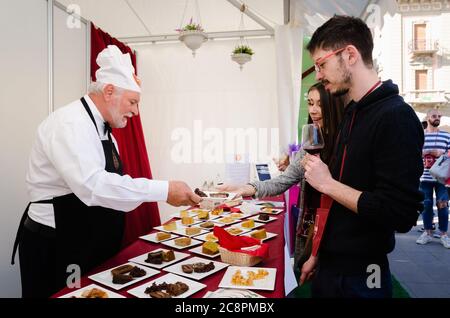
[
  {"x": 421, "y": 79},
  {"x": 420, "y": 36}
]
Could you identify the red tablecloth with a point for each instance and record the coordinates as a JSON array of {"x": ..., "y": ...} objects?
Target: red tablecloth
[{"x": 275, "y": 260}]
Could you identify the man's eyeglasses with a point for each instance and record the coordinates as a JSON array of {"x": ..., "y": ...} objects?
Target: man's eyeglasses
[
  {"x": 318, "y": 66},
  {"x": 436, "y": 116}
]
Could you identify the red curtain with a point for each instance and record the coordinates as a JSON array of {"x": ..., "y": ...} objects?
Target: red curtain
[{"x": 132, "y": 148}]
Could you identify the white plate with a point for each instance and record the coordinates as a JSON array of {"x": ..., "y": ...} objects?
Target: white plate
[
  {"x": 271, "y": 218},
  {"x": 177, "y": 215},
  {"x": 183, "y": 232},
  {"x": 211, "y": 217},
  {"x": 161, "y": 228},
  {"x": 77, "y": 293},
  {"x": 244, "y": 230},
  {"x": 238, "y": 216},
  {"x": 176, "y": 268},
  {"x": 170, "y": 279},
  {"x": 141, "y": 259},
  {"x": 198, "y": 250},
  {"x": 231, "y": 195},
  {"x": 211, "y": 228},
  {"x": 274, "y": 211},
  {"x": 267, "y": 283},
  {"x": 105, "y": 277},
  {"x": 227, "y": 223},
  {"x": 171, "y": 243},
  {"x": 276, "y": 204},
  {"x": 203, "y": 237},
  {"x": 249, "y": 228},
  {"x": 269, "y": 235},
  {"x": 232, "y": 293},
  {"x": 152, "y": 237}
]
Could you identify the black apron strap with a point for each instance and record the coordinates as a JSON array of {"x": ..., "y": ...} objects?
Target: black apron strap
[
  {"x": 85, "y": 105},
  {"x": 20, "y": 229}
]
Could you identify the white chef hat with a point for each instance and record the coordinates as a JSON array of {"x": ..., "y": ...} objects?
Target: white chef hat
[{"x": 116, "y": 68}]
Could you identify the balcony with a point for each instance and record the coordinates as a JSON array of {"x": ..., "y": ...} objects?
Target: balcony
[
  {"x": 425, "y": 97},
  {"x": 423, "y": 46}
]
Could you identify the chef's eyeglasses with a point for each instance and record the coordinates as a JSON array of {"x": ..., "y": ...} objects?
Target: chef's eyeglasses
[{"x": 318, "y": 66}]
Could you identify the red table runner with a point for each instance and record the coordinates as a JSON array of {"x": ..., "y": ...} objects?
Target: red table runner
[{"x": 275, "y": 260}]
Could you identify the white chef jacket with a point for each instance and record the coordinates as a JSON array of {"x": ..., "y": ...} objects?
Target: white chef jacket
[{"x": 67, "y": 157}]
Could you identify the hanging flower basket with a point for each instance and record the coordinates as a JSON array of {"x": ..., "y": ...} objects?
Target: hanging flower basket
[
  {"x": 192, "y": 36},
  {"x": 241, "y": 55}
]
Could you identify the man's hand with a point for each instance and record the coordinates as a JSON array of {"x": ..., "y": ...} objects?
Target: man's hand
[
  {"x": 243, "y": 190},
  {"x": 316, "y": 173},
  {"x": 181, "y": 194},
  {"x": 308, "y": 269},
  {"x": 282, "y": 164}
]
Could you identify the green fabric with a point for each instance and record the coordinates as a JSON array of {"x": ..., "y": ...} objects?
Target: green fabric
[
  {"x": 307, "y": 82},
  {"x": 304, "y": 291}
]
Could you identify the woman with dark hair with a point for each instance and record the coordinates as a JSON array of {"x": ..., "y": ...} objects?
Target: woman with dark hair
[{"x": 326, "y": 111}]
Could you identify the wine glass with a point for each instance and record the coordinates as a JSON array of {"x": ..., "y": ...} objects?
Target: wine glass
[{"x": 312, "y": 139}]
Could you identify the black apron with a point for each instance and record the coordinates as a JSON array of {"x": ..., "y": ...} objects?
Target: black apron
[{"x": 85, "y": 235}]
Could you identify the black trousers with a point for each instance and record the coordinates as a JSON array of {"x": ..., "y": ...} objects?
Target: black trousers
[
  {"x": 37, "y": 255},
  {"x": 327, "y": 283}
]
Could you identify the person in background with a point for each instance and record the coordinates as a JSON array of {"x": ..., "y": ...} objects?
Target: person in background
[
  {"x": 78, "y": 192},
  {"x": 373, "y": 177},
  {"x": 437, "y": 142},
  {"x": 326, "y": 111}
]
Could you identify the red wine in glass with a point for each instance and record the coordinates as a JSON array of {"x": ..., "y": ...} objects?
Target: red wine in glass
[{"x": 312, "y": 139}]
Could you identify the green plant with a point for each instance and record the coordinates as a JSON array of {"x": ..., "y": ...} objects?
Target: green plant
[
  {"x": 243, "y": 49},
  {"x": 191, "y": 26}
]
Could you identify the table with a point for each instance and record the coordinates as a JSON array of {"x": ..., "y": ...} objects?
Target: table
[{"x": 275, "y": 260}]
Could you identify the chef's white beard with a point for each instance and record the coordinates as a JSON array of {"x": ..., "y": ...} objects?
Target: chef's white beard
[{"x": 117, "y": 118}]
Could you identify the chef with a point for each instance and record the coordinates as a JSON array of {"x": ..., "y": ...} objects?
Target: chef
[{"x": 78, "y": 192}]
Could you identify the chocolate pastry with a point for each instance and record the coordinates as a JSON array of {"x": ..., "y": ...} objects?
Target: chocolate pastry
[
  {"x": 155, "y": 258},
  {"x": 200, "y": 193},
  {"x": 159, "y": 294},
  {"x": 202, "y": 267},
  {"x": 155, "y": 288},
  {"x": 137, "y": 272},
  {"x": 121, "y": 279},
  {"x": 122, "y": 269},
  {"x": 177, "y": 289},
  {"x": 168, "y": 256},
  {"x": 188, "y": 269},
  {"x": 263, "y": 217}
]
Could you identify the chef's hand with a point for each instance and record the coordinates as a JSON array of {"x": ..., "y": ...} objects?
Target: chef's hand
[
  {"x": 308, "y": 269},
  {"x": 181, "y": 194},
  {"x": 316, "y": 172},
  {"x": 240, "y": 190}
]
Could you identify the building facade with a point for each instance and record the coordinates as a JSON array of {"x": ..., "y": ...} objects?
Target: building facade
[{"x": 414, "y": 51}]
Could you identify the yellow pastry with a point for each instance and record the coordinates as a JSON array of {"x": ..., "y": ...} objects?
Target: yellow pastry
[
  {"x": 162, "y": 236},
  {"x": 259, "y": 234},
  {"x": 183, "y": 241},
  {"x": 170, "y": 226},
  {"x": 187, "y": 220},
  {"x": 248, "y": 224},
  {"x": 210, "y": 248},
  {"x": 192, "y": 230}
]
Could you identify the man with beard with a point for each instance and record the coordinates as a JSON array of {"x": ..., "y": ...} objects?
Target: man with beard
[
  {"x": 373, "y": 178},
  {"x": 437, "y": 143},
  {"x": 78, "y": 192}
]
